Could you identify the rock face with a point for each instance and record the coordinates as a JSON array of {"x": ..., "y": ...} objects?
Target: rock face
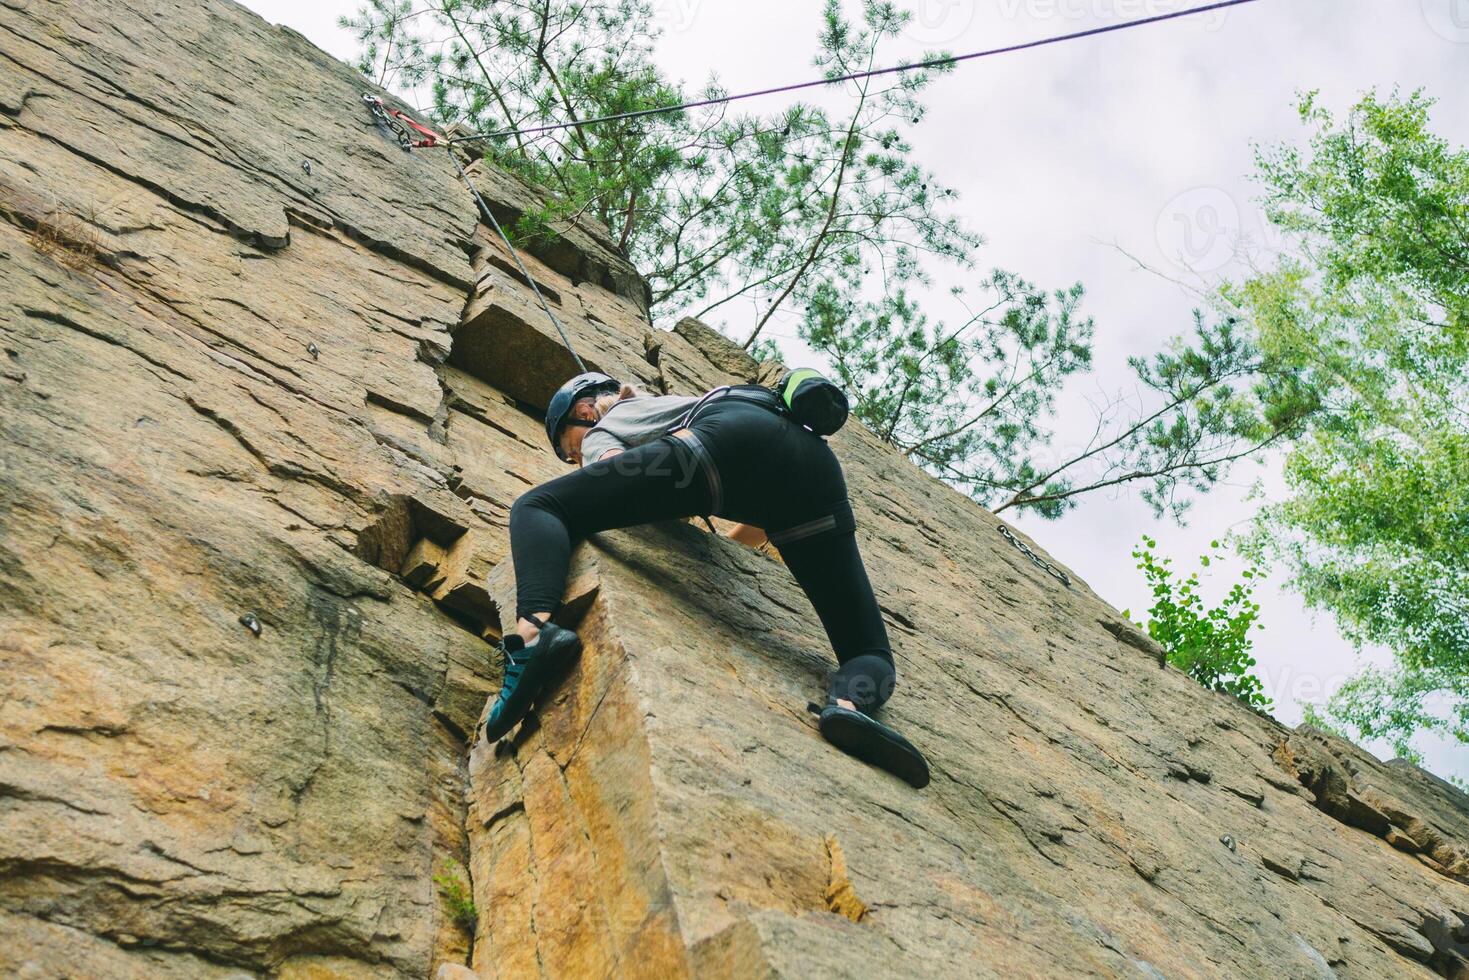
[{"x": 267, "y": 394}]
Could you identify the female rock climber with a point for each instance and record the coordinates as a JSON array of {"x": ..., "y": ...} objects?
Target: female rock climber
[{"x": 735, "y": 453}]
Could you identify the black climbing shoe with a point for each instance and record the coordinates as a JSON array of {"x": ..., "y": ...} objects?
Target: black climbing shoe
[
  {"x": 874, "y": 743},
  {"x": 527, "y": 671}
]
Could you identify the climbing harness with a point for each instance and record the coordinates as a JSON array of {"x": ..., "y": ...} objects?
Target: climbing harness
[
  {"x": 802, "y": 395},
  {"x": 758, "y": 394},
  {"x": 1040, "y": 562}
]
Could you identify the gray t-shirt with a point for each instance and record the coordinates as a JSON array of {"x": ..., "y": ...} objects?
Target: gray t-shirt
[{"x": 634, "y": 421}]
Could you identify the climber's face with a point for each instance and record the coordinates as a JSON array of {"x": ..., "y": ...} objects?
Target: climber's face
[
  {"x": 572, "y": 435},
  {"x": 571, "y": 443}
]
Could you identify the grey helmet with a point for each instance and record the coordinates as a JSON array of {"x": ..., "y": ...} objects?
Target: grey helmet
[{"x": 582, "y": 386}]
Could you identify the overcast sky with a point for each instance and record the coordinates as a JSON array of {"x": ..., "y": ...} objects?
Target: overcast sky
[{"x": 1067, "y": 156}]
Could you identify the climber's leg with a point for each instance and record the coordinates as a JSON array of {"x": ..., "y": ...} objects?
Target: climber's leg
[
  {"x": 822, "y": 554},
  {"x": 828, "y": 567},
  {"x": 863, "y": 683},
  {"x": 659, "y": 481},
  {"x": 781, "y": 477}
]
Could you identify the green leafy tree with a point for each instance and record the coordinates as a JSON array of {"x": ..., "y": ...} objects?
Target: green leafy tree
[
  {"x": 973, "y": 401},
  {"x": 1210, "y": 644},
  {"x": 725, "y": 214},
  {"x": 1369, "y": 308},
  {"x": 820, "y": 218}
]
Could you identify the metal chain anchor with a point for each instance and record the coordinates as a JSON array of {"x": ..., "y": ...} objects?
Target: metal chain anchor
[
  {"x": 1040, "y": 562},
  {"x": 388, "y": 122},
  {"x": 394, "y": 121}
]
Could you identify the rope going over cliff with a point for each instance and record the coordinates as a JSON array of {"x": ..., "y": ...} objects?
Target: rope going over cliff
[
  {"x": 399, "y": 122},
  {"x": 395, "y": 120},
  {"x": 854, "y": 76}
]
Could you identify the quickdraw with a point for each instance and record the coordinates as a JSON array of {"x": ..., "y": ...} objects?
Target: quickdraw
[
  {"x": 396, "y": 119},
  {"x": 1040, "y": 562}
]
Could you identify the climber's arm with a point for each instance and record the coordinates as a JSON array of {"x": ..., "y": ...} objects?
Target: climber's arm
[
  {"x": 747, "y": 534},
  {"x": 608, "y": 454},
  {"x": 599, "y": 443}
]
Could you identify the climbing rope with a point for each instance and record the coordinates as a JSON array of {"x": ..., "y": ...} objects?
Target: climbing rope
[
  {"x": 399, "y": 124},
  {"x": 1040, "y": 562},
  {"x": 854, "y": 76},
  {"x": 394, "y": 120},
  {"x": 484, "y": 209}
]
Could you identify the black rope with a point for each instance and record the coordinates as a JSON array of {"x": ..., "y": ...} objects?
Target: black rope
[
  {"x": 874, "y": 73},
  {"x": 490, "y": 217}
]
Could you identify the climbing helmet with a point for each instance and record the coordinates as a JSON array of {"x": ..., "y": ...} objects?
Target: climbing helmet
[{"x": 586, "y": 385}]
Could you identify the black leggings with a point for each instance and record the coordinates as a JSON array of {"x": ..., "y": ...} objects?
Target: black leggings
[{"x": 744, "y": 463}]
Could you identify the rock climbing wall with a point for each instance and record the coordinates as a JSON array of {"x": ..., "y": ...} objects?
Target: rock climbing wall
[{"x": 267, "y": 393}]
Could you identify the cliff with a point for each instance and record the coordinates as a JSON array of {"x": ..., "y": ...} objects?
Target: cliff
[{"x": 267, "y": 393}]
